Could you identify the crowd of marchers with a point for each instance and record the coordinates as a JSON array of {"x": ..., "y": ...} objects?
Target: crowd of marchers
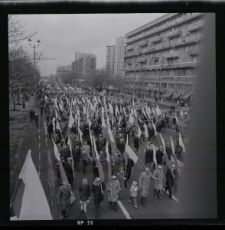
[{"x": 74, "y": 142}]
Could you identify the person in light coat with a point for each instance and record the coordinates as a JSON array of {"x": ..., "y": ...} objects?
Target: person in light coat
[
  {"x": 144, "y": 183},
  {"x": 158, "y": 173},
  {"x": 133, "y": 193},
  {"x": 113, "y": 188},
  {"x": 121, "y": 178},
  {"x": 86, "y": 148}
]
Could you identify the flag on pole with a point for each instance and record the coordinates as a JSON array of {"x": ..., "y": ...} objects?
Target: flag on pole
[
  {"x": 108, "y": 160},
  {"x": 133, "y": 102},
  {"x": 181, "y": 143},
  {"x": 135, "y": 112},
  {"x": 56, "y": 114},
  {"x": 158, "y": 111},
  {"x": 146, "y": 130},
  {"x": 53, "y": 123},
  {"x": 46, "y": 98},
  {"x": 154, "y": 156},
  {"x": 100, "y": 169},
  {"x": 58, "y": 127},
  {"x": 30, "y": 202},
  {"x": 139, "y": 131},
  {"x": 110, "y": 109},
  {"x": 71, "y": 120},
  {"x": 131, "y": 119},
  {"x": 71, "y": 155},
  {"x": 154, "y": 128},
  {"x": 124, "y": 111},
  {"x": 174, "y": 155},
  {"x": 165, "y": 153},
  {"x": 104, "y": 128},
  {"x": 130, "y": 152}
]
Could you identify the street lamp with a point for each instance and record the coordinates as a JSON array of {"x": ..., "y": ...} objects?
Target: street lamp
[{"x": 34, "y": 47}]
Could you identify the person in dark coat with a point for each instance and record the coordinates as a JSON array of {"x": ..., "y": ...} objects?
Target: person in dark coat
[
  {"x": 159, "y": 156},
  {"x": 31, "y": 115},
  {"x": 36, "y": 119},
  {"x": 121, "y": 146},
  {"x": 136, "y": 143},
  {"x": 149, "y": 156},
  {"x": 85, "y": 195},
  {"x": 97, "y": 189},
  {"x": 63, "y": 196},
  {"x": 69, "y": 170},
  {"x": 76, "y": 157},
  {"x": 129, "y": 169},
  {"x": 169, "y": 182},
  {"x": 50, "y": 130},
  {"x": 95, "y": 169},
  {"x": 169, "y": 151},
  {"x": 84, "y": 158}
]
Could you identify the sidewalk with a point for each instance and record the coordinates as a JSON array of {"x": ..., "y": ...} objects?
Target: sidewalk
[{"x": 24, "y": 136}]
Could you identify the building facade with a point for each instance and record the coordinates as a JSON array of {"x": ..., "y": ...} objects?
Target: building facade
[
  {"x": 161, "y": 57},
  {"x": 119, "y": 56},
  {"x": 84, "y": 65},
  {"x": 110, "y": 59},
  {"x": 115, "y": 58},
  {"x": 63, "y": 72}
]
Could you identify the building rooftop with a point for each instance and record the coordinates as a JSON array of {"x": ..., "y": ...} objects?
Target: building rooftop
[{"x": 152, "y": 23}]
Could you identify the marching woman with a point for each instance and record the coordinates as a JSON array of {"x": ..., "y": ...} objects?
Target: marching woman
[{"x": 97, "y": 189}]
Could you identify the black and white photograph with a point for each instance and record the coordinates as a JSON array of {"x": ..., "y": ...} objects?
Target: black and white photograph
[{"x": 112, "y": 116}]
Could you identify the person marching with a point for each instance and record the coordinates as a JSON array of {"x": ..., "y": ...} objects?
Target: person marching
[
  {"x": 63, "y": 196},
  {"x": 121, "y": 178},
  {"x": 169, "y": 182},
  {"x": 84, "y": 158},
  {"x": 158, "y": 173},
  {"x": 113, "y": 188},
  {"x": 97, "y": 189},
  {"x": 85, "y": 195},
  {"x": 133, "y": 193},
  {"x": 144, "y": 183}
]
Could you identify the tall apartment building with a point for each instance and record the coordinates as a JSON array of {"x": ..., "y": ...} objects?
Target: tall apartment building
[
  {"x": 161, "y": 57},
  {"x": 119, "y": 56},
  {"x": 110, "y": 59},
  {"x": 115, "y": 57},
  {"x": 84, "y": 65},
  {"x": 63, "y": 71}
]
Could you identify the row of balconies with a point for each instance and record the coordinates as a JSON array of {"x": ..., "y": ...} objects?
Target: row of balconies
[
  {"x": 181, "y": 42},
  {"x": 144, "y": 34},
  {"x": 157, "y": 39},
  {"x": 191, "y": 64},
  {"x": 195, "y": 26}
]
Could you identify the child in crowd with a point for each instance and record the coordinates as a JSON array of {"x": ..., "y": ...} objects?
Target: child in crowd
[{"x": 133, "y": 193}]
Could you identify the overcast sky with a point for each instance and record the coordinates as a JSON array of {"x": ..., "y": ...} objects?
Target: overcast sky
[{"x": 62, "y": 35}]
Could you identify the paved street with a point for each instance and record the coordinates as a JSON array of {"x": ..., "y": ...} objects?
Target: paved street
[{"x": 155, "y": 208}]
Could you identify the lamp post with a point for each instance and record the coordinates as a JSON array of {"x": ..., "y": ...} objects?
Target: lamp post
[{"x": 35, "y": 47}]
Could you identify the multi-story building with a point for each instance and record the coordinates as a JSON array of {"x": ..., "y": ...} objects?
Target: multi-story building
[
  {"x": 115, "y": 58},
  {"x": 110, "y": 59},
  {"x": 84, "y": 65},
  {"x": 63, "y": 71},
  {"x": 161, "y": 57},
  {"x": 119, "y": 56}
]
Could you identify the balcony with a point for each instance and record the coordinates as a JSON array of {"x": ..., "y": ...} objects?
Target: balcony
[
  {"x": 142, "y": 59},
  {"x": 130, "y": 48},
  {"x": 195, "y": 26},
  {"x": 132, "y": 54},
  {"x": 156, "y": 39},
  {"x": 193, "y": 52},
  {"x": 143, "y": 43},
  {"x": 172, "y": 55},
  {"x": 167, "y": 26},
  {"x": 174, "y": 33}
]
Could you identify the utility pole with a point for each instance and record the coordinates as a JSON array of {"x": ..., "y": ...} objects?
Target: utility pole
[{"x": 35, "y": 77}]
